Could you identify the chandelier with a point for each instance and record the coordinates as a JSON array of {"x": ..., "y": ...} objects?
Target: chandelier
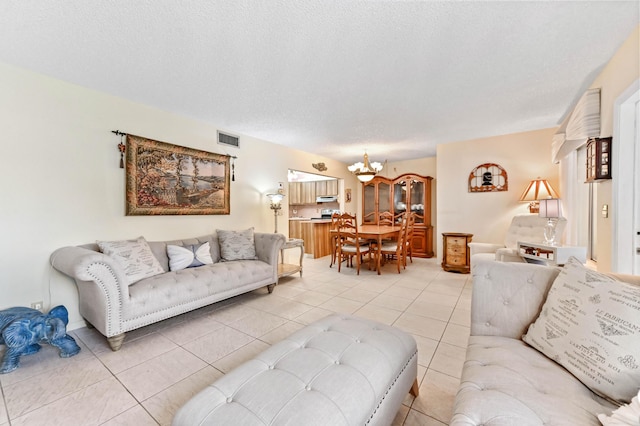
[{"x": 365, "y": 171}]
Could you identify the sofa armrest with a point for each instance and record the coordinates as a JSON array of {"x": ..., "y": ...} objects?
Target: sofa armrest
[
  {"x": 475, "y": 248},
  {"x": 79, "y": 262},
  {"x": 507, "y": 297},
  {"x": 268, "y": 247},
  {"x": 102, "y": 284},
  {"x": 506, "y": 254}
]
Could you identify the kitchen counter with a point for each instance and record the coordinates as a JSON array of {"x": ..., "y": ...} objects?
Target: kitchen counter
[{"x": 314, "y": 232}]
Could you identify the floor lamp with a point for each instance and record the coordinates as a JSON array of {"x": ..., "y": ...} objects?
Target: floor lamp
[{"x": 275, "y": 206}]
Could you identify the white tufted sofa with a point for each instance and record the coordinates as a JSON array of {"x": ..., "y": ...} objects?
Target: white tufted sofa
[
  {"x": 338, "y": 371},
  {"x": 505, "y": 381},
  {"x": 113, "y": 307},
  {"x": 523, "y": 227}
]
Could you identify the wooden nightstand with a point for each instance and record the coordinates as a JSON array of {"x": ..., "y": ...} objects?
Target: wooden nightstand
[{"x": 455, "y": 249}]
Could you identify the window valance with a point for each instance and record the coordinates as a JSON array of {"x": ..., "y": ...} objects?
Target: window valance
[{"x": 583, "y": 123}]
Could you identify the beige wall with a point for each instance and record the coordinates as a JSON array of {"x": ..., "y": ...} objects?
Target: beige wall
[
  {"x": 62, "y": 184},
  {"x": 621, "y": 71},
  {"x": 524, "y": 156}
]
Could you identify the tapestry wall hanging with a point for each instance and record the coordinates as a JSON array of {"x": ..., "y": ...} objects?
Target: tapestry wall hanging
[
  {"x": 167, "y": 179},
  {"x": 488, "y": 177}
]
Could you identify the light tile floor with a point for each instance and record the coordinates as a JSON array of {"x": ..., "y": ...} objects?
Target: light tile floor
[{"x": 162, "y": 366}]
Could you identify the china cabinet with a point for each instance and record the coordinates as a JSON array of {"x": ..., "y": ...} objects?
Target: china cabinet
[{"x": 408, "y": 192}]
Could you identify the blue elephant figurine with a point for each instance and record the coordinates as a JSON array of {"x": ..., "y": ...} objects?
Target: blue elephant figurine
[{"x": 22, "y": 329}]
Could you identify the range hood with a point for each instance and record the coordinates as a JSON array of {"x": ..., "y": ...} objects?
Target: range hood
[{"x": 327, "y": 199}]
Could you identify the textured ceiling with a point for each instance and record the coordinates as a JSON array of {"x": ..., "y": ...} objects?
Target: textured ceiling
[{"x": 329, "y": 77}]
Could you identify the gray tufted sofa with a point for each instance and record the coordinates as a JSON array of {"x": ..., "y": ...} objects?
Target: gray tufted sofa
[
  {"x": 505, "y": 381},
  {"x": 113, "y": 307}
]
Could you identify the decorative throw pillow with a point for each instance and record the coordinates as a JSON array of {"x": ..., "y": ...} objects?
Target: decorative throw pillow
[
  {"x": 237, "y": 245},
  {"x": 627, "y": 415},
  {"x": 590, "y": 324},
  {"x": 135, "y": 257},
  {"x": 191, "y": 256}
]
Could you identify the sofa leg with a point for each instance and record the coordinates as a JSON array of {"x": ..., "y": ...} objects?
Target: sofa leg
[
  {"x": 116, "y": 342},
  {"x": 89, "y": 325},
  {"x": 270, "y": 288},
  {"x": 415, "y": 389}
]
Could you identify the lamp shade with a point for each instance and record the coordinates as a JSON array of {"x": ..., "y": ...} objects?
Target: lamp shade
[
  {"x": 275, "y": 198},
  {"x": 538, "y": 189},
  {"x": 550, "y": 208}
]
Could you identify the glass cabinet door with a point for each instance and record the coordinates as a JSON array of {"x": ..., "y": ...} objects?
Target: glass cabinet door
[
  {"x": 369, "y": 207},
  {"x": 399, "y": 198},
  {"x": 416, "y": 198},
  {"x": 384, "y": 197}
]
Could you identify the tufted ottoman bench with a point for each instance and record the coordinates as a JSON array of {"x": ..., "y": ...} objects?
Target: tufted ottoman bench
[{"x": 341, "y": 370}]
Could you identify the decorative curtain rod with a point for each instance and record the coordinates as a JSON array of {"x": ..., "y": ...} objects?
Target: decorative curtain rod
[{"x": 122, "y": 147}]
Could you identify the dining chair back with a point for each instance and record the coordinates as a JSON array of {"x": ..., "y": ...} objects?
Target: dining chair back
[
  {"x": 386, "y": 218},
  {"x": 411, "y": 220},
  {"x": 336, "y": 220},
  {"x": 397, "y": 249},
  {"x": 350, "y": 245}
]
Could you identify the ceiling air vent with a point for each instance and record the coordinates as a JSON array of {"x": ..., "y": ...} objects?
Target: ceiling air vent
[{"x": 230, "y": 140}]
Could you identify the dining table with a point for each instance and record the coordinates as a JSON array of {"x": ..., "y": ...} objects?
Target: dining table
[{"x": 377, "y": 233}]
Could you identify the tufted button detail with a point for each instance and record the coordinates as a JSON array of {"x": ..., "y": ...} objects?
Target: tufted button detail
[
  {"x": 337, "y": 362},
  {"x": 488, "y": 324},
  {"x": 529, "y": 280},
  {"x": 307, "y": 387},
  {"x": 486, "y": 276},
  {"x": 229, "y": 400},
  {"x": 506, "y": 302},
  {"x": 271, "y": 367},
  {"x": 357, "y": 340}
]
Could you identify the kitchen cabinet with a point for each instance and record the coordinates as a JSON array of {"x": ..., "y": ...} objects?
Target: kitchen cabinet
[
  {"x": 326, "y": 187},
  {"x": 295, "y": 229},
  {"x": 317, "y": 237},
  {"x": 295, "y": 193},
  {"x": 308, "y": 192},
  {"x": 407, "y": 192}
]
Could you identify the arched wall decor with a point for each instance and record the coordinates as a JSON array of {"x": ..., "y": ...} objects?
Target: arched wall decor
[{"x": 488, "y": 177}]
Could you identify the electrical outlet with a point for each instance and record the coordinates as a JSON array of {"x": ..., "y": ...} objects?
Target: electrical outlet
[{"x": 36, "y": 305}]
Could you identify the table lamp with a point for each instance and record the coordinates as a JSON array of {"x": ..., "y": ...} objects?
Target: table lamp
[{"x": 552, "y": 211}]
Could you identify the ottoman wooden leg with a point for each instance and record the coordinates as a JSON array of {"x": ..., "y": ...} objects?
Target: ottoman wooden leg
[{"x": 415, "y": 389}]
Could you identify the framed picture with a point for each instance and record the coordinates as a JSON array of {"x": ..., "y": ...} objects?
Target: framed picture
[
  {"x": 488, "y": 177},
  {"x": 167, "y": 179}
]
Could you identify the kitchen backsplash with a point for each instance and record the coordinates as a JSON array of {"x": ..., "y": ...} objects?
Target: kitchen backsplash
[{"x": 311, "y": 210}]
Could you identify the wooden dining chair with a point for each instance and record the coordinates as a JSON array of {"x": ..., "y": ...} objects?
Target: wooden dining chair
[
  {"x": 336, "y": 219},
  {"x": 411, "y": 220},
  {"x": 397, "y": 249},
  {"x": 386, "y": 218},
  {"x": 389, "y": 219},
  {"x": 350, "y": 245}
]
